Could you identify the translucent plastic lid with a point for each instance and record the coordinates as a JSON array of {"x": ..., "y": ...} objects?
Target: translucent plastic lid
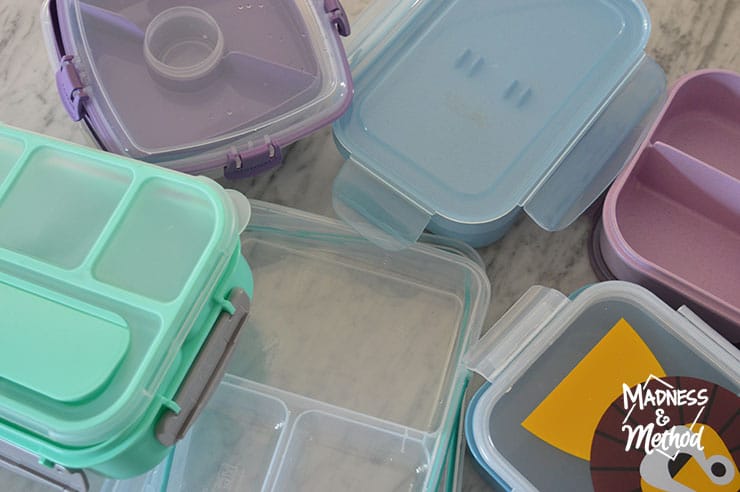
[
  {"x": 162, "y": 81},
  {"x": 572, "y": 379},
  {"x": 348, "y": 375},
  {"x": 105, "y": 264},
  {"x": 466, "y": 110}
]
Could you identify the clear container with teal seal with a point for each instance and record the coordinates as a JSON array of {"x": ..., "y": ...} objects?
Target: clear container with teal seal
[
  {"x": 220, "y": 87},
  {"x": 349, "y": 374},
  {"x": 123, "y": 290}
]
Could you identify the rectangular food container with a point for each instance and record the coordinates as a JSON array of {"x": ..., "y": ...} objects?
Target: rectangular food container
[
  {"x": 123, "y": 289},
  {"x": 671, "y": 222},
  {"x": 349, "y": 373},
  {"x": 222, "y": 86},
  {"x": 469, "y": 112},
  {"x": 562, "y": 397}
]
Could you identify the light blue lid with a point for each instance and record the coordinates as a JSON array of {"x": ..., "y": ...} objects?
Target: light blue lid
[{"x": 468, "y": 110}]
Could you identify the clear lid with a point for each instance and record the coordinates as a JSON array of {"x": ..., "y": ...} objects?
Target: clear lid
[
  {"x": 560, "y": 404},
  {"x": 164, "y": 81},
  {"x": 348, "y": 375},
  {"x": 105, "y": 265},
  {"x": 468, "y": 110}
]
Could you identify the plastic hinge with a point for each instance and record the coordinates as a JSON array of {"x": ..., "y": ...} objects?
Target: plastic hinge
[
  {"x": 206, "y": 371},
  {"x": 245, "y": 164},
  {"x": 71, "y": 90},
  {"x": 27, "y": 465},
  {"x": 516, "y": 329},
  {"x": 338, "y": 17}
]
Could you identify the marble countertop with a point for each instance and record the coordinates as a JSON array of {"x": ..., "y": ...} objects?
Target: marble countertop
[{"x": 687, "y": 35}]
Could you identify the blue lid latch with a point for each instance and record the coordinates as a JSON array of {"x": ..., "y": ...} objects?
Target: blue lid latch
[{"x": 378, "y": 211}]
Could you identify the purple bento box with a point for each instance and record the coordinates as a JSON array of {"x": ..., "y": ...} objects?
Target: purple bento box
[
  {"x": 200, "y": 86},
  {"x": 671, "y": 221}
]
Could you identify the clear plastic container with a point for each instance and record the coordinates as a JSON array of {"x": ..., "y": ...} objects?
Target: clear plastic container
[
  {"x": 349, "y": 375},
  {"x": 557, "y": 370},
  {"x": 114, "y": 276},
  {"x": 469, "y": 112},
  {"x": 221, "y": 85}
]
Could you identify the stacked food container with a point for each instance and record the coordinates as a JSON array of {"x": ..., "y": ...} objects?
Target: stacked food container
[
  {"x": 124, "y": 287},
  {"x": 123, "y": 290},
  {"x": 468, "y": 112},
  {"x": 671, "y": 222}
]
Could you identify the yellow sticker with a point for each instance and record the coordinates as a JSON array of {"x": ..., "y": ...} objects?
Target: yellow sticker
[{"x": 567, "y": 418}]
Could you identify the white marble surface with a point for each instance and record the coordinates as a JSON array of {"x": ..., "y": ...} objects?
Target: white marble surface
[{"x": 687, "y": 35}]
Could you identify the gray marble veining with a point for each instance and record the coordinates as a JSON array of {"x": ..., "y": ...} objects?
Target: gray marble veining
[{"x": 687, "y": 35}]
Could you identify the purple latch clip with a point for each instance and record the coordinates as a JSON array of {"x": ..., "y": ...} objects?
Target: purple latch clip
[
  {"x": 70, "y": 88},
  {"x": 242, "y": 165},
  {"x": 338, "y": 17}
]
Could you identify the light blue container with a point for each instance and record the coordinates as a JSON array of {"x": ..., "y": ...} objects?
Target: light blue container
[{"x": 468, "y": 112}]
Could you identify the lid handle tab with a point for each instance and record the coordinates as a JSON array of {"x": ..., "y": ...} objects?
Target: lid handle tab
[
  {"x": 253, "y": 161},
  {"x": 71, "y": 90},
  {"x": 605, "y": 146},
  {"x": 206, "y": 371},
  {"x": 516, "y": 329},
  {"x": 338, "y": 17},
  {"x": 377, "y": 210}
]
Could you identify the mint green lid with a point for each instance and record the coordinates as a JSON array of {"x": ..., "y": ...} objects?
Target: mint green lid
[{"x": 105, "y": 265}]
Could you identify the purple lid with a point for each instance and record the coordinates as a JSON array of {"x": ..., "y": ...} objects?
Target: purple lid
[{"x": 220, "y": 84}]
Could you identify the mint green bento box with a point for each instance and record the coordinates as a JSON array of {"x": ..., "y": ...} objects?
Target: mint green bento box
[{"x": 122, "y": 292}]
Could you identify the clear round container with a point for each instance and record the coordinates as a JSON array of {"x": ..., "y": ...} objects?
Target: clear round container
[{"x": 183, "y": 45}]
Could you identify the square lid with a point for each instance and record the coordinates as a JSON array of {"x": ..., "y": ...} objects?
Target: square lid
[
  {"x": 348, "y": 374},
  {"x": 197, "y": 86},
  {"x": 565, "y": 375},
  {"x": 107, "y": 263},
  {"x": 466, "y": 111}
]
